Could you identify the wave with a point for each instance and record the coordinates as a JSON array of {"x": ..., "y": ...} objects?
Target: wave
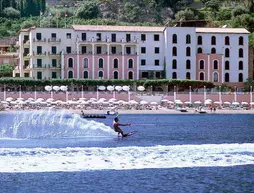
[{"x": 124, "y": 158}]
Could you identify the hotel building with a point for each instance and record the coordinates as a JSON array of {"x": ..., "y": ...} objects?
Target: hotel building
[{"x": 219, "y": 55}]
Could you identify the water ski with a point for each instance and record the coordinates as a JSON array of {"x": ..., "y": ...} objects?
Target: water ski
[{"x": 130, "y": 133}]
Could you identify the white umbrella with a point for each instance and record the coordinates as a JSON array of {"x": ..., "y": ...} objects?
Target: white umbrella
[
  {"x": 227, "y": 103},
  {"x": 101, "y": 87},
  {"x": 141, "y": 88},
  {"x": 9, "y": 99},
  {"x": 244, "y": 103},
  {"x": 235, "y": 103},
  {"x": 20, "y": 99},
  {"x": 153, "y": 103},
  {"x": 126, "y": 88},
  {"x": 197, "y": 102},
  {"x": 93, "y": 99},
  {"x": 143, "y": 102},
  {"x": 118, "y": 88},
  {"x": 217, "y": 102},
  {"x": 187, "y": 102},
  {"x": 110, "y": 88},
  {"x": 164, "y": 100},
  {"x": 133, "y": 102},
  {"x": 208, "y": 102},
  {"x": 251, "y": 103},
  {"x": 178, "y": 102},
  {"x": 82, "y": 98},
  {"x": 170, "y": 102},
  {"x": 4, "y": 102}
]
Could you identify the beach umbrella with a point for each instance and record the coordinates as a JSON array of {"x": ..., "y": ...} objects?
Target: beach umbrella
[
  {"x": 153, "y": 103},
  {"x": 63, "y": 88},
  {"x": 187, "y": 102},
  {"x": 164, "y": 100},
  {"x": 143, "y": 102},
  {"x": 56, "y": 88},
  {"x": 101, "y": 88},
  {"x": 251, "y": 103},
  {"x": 126, "y": 88},
  {"x": 217, "y": 102},
  {"x": 235, "y": 103},
  {"x": 197, "y": 102},
  {"x": 118, "y": 88},
  {"x": 141, "y": 88},
  {"x": 4, "y": 102},
  {"x": 208, "y": 102},
  {"x": 9, "y": 99},
  {"x": 227, "y": 103},
  {"x": 244, "y": 103},
  {"x": 110, "y": 88},
  {"x": 170, "y": 102}
]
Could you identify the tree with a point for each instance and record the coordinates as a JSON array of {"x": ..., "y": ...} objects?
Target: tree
[
  {"x": 185, "y": 15},
  {"x": 239, "y": 10},
  {"x": 214, "y": 5},
  {"x": 88, "y": 10},
  {"x": 250, "y": 5},
  {"x": 175, "y": 5},
  {"x": 6, "y": 70},
  {"x": 11, "y": 12}
]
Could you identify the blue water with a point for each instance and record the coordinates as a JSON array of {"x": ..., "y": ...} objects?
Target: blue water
[{"x": 154, "y": 131}]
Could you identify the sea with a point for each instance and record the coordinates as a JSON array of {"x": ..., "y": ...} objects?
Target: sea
[{"x": 51, "y": 151}]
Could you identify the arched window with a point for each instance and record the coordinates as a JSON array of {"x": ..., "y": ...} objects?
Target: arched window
[
  {"x": 201, "y": 64},
  {"x": 240, "y": 77},
  {"x": 130, "y": 75},
  {"x": 226, "y": 77},
  {"x": 240, "y": 40},
  {"x": 188, "y": 64},
  {"x": 174, "y": 75},
  {"x": 174, "y": 64},
  {"x": 85, "y": 63},
  {"x": 188, "y": 75},
  {"x": 240, "y": 53},
  {"x": 70, "y": 74},
  {"x": 215, "y": 64},
  {"x": 174, "y": 39},
  {"x": 215, "y": 77},
  {"x": 227, "y": 41},
  {"x": 130, "y": 63},
  {"x": 100, "y": 63},
  {"x": 115, "y": 63},
  {"x": 201, "y": 76},
  {"x": 240, "y": 65},
  {"x": 213, "y": 51},
  {"x": 227, "y": 53},
  {"x": 188, "y": 51},
  {"x": 70, "y": 62},
  {"x": 100, "y": 74},
  {"x": 188, "y": 39},
  {"x": 226, "y": 65},
  {"x": 115, "y": 75},
  {"x": 200, "y": 50},
  {"x": 85, "y": 74},
  {"x": 174, "y": 51},
  {"x": 200, "y": 41},
  {"x": 213, "y": 40}
]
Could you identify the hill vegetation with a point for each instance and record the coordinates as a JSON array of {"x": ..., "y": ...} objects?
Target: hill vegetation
[{"x": 15, "y": 15}]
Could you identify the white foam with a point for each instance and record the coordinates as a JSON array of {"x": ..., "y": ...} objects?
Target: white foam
[{"x": 122, "y": 158}]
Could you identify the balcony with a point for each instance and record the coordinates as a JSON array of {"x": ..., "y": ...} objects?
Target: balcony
[
  {"x": 39, "y": 66},
  {"x": 106, "y": 41},
  {"x": 39, "y": 53},
  {"x": 46, "y": 66},
  {"x": 54, "y": 40},
  {"x": 26, "y": 67},
  {"x": 39, "y": 41},
  {"x": 54, "y": 54}
]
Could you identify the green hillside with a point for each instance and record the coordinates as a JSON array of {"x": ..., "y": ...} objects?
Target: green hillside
[{"x": 15, "y": 15}]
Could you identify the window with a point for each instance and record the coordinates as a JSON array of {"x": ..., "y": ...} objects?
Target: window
[
  {"x": 213, "y": 51},
  {"x": 115, "y": 75},
  {"x": 54, "y": 74},
  {"x": 201, "y": 64},
  {"x": 100, "y": 74},
  {"x": 70, "y": 62},
  {"x": 98, "y": 49},
  {"x": 187, "y": 75},
  {"x": 68, "y": 36},
  {"x": 188, "y": 39},
  {"x": 143, "y": 37},
  {"x": 240, "y": 65},
  {"x": 201, "y": 76},
  {"x": 26, "y": 74},
  {"x": 128, "y": 50},
  {"x": 143, "y": 62},
  {"x": 226, "y": 65},
  {"x": 200, "y": 41},
  {"x": 130, "y": 75},
  {"x": 240, "y": 77},
  {"x": 174, "y": 51},
  {"x": 68, "y": 50},
  {"x": 156, "y": 62},
  {"x": 215, "y": 77},
  {"x": 174, "y": 39},
  {"x": 213, "y": 40},
  {"x": 227, "y": 42},
  {"x": 100, "y": 63},
  {"x": 157, "y": 74},
  {"x": 98, "y": 36},
  {"x": 53, "y": 49},
  {"x": 200, "y": 50},
  {"x": 85, "y": 63},
  {"x": 113, "y": 50},
  {"x": 38, "y": 36},
  {"x": 188, "y": 64},
  {"x": 39, "y": 50},
  {"x": 174, "y": 75},
  {"x": 240, "y": 53},
  {"x": 156, "y": 37},
  {"x": 128, "y": 37},
  {"x": 83, "y": 49},
  {"x": 54, "y": 62},
  {"x": 85, "y": 74},
  {"x": 115, "y": 63},
  {"x": 17, "y": 74},
  {"x": 113, "y": 37},
  {"x": 130, "y": 63},
  {"x": 83, "y": 36},
  {"x": 156, "y": 50},
  {"x": 226, "y": 77},
  {"x": 70, "y": 74},
  {"x": 53, "y": 35},
  {"x": 215, "y": 64},
  {"x": 227, "y": 53},
  {"x": 144, "y": 74},
  {"x": 143, "y": 50},
  {"x": 240, "y": 41},
  {"x": 39, "y": 75},
  {"x": 174, "y": 64},
  {"x": 39, "y": 63},
  {"x": 188, "y": 51}
]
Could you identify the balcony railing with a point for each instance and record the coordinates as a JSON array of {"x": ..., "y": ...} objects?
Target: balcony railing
[
  {"x": 41, "y": 40},
  {"x": 39, "y": 53},
  {"x": 46, "y": 66},
  {"x": 54, "y": 54},
  {"x": 108, "y": 40},
  {"x": 55, "y": 40}
]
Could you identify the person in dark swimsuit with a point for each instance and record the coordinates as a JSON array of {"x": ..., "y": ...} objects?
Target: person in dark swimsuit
[{"x": 116, "y": 127}]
